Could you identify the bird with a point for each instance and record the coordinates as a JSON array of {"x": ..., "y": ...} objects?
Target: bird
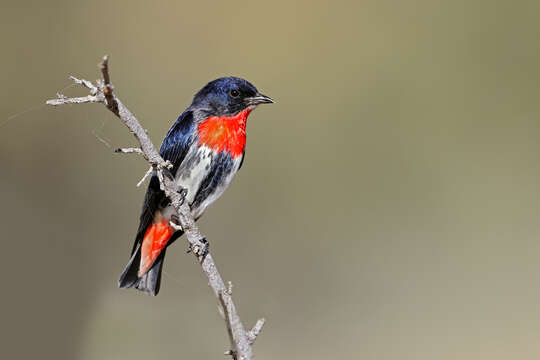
[{"x": 206, "y": 147}]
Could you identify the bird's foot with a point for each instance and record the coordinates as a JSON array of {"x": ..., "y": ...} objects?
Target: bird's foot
[
  {"x": 167, "y": 173},
  {"x": 183, "y": 193},
  {"x": 175, "y": 223},
  {"x": 200, "y": 249}
]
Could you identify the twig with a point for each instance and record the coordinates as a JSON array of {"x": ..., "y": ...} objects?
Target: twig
[
  {"x": 233, "y": 352},
  {"x": 87, "y": 84},
  {"x": 241, "y": 340},
  {"x": 256, "y": 330},
  {"x": 62, "y": 99},
  {"x": 129, "y": 151},
  {"x": 146, "y": 175},
  {"x": 110, "y": 100}
]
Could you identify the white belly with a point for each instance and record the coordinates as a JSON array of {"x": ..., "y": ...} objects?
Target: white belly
[
  {"x": 194, "y": 169},
  {"x": 197, "y": 212}
]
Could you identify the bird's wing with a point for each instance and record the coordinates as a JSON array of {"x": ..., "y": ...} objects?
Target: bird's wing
[
  {"x": 174, "y": 148},
  {"x": 178, "y": 140}
]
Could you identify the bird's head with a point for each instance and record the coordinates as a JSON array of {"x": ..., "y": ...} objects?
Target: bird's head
[{"x": 228, "y": 96}]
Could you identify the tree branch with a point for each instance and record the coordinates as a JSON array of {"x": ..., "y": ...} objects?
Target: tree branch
[{"x": 102, "y": 92}]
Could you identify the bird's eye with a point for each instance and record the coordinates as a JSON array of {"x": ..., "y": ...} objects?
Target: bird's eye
[{"x": 234, "y": 93}]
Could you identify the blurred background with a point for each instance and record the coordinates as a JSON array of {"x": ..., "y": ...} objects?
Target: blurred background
[{"x": 387, "y": 208}]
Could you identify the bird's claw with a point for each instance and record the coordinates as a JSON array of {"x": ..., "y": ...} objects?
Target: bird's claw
[
  {"x": 167, "y": 173},
  {"x": 183, "y": 193},
  {"x": 201, "y": 249},
  {"x": 175, "y": 223}
]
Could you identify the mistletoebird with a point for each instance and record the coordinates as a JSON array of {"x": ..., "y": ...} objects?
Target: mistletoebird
[{"x": 206, "y": 146}]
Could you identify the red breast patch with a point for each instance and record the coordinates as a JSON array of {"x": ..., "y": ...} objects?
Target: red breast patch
[{"x": 225, "y": 133}]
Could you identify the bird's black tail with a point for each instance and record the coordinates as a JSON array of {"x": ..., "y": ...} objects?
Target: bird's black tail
[{"x": 150, "y": 281}]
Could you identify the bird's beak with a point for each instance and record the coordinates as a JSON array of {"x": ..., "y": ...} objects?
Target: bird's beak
[{"x": 259, "y": 99}]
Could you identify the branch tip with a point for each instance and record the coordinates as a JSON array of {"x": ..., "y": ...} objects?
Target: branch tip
[
  {"x": 104, "y": 66},
  {"x": 256, "y": 330}
]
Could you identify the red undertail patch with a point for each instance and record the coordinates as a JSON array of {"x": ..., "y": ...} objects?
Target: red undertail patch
[{"x": 156, "y": 237}]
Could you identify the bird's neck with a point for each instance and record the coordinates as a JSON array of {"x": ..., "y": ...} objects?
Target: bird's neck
[{"x": 225, "y": 133}]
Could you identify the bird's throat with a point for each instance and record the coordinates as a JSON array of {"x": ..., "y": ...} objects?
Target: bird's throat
[{"x": 225, "y": 133}]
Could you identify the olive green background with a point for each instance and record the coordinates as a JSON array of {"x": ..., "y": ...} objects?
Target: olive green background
[{"x": 388, "y": 207}]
